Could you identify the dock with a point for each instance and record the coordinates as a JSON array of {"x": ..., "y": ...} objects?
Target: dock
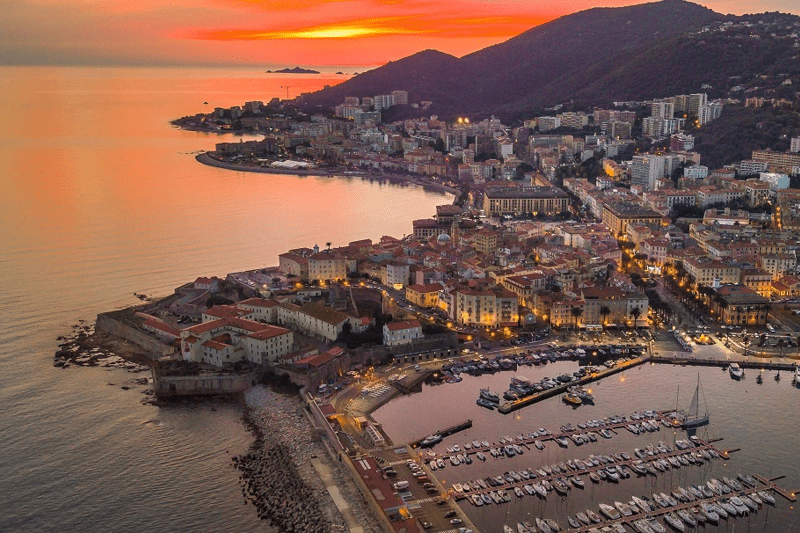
[
  {"x": 444, "y": 432},
  {"x": 629, "y": 520},
  {"x": 509, "y": 407},
  {"x": 701, "y": 445},
  {"x": 754, "y": 365}
]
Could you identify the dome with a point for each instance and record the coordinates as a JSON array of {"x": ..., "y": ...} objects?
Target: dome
[{"x": 444, "y": 238}]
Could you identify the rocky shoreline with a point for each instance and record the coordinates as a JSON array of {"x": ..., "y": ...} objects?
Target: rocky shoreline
[{"x": 276, "y": 476}]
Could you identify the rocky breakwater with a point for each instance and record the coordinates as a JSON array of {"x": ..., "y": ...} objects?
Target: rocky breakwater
[
  {"x": 275, "y": 474},
  {"x": 86, "y": 347}
]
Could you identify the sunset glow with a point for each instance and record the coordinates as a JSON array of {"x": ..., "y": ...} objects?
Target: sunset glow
[{"x": 308, "y": 32}]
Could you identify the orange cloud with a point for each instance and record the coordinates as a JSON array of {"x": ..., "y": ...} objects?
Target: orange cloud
[{"x": 447, "y": 27}]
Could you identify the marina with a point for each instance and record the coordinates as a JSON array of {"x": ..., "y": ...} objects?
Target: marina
[{"x": 631, "y": 387}]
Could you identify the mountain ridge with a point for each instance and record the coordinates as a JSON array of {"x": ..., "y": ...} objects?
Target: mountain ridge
[{"x": 592, "y": 56}]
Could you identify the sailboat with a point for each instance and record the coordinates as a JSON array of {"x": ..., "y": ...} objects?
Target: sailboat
[{"x": 694, "y": 419}]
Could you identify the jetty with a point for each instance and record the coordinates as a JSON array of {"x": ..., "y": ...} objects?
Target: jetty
[
  {"x": 509, "y": 407},
  {"x": 766, "y": 364},
  {"x": 700, "y": 445},
  {"x": 444, "y": 432}
]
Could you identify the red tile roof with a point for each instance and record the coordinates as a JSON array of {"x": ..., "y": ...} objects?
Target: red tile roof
[
  {"x": 269, "y": 332},
  {"x": 406, "y": 324}
]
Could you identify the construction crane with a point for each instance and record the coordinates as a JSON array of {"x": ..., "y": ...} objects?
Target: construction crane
[{"x": 287, "y": 87}]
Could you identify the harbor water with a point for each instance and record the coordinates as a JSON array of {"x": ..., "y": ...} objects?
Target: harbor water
[
  {"x": 761, "y": 420},
  {"x": 101, "y": 198}
]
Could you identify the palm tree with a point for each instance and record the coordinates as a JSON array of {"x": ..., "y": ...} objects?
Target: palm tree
[
  {"x": 604, "y": 312},
  {"x": 635, "y": 313},
  {"x": 576, "y": 313},
  {"x": 328, "y": 245}
]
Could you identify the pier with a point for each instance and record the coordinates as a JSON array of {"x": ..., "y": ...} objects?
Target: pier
[
  {"x": 754, "y": 365},
  {"x": 509, "y": 407},
  {"x": 629, "y": 520},
  {"x": 701, "y": 445},
  {"x": 444, "y": 432}
]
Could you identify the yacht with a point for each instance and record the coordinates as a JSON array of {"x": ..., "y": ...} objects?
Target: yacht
[
  {"x": 674, "y": 521},
  {"x": 488, "y": 395},
  {"x": 430, "y": 441},
  {"x": 610, "y": 512},
  {"x": 736, "y": 371}
]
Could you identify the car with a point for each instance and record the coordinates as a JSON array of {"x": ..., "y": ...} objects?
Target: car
[
  {"x": 456, "y": 521},
  {"x": 427, "y": 525},
  {"x": 449, "y": 514},
  {"x": 441, "y": 502},
  {"x": 416, "y": 367}
]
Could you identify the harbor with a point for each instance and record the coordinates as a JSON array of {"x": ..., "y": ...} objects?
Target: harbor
[{"x": 628, "y": 386}]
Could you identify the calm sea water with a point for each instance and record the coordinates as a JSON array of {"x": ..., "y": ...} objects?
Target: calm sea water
[
  {"x": 762, "y": 420},
  {"x": 101, "y": 198}
]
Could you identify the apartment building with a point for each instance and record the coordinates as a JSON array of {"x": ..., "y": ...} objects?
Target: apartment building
[{"x": 505, "y": 200}]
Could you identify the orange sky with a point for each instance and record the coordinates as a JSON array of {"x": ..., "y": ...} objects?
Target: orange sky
[{"x": 277, "y": 33}]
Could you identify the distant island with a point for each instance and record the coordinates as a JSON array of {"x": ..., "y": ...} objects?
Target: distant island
[{"x": 295, "y": 70}]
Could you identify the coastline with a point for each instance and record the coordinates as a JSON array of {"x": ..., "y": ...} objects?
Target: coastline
[{"x": 206, "y": 159}]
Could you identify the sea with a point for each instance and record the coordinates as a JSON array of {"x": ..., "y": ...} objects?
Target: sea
[{"x": 102, "y": 198}]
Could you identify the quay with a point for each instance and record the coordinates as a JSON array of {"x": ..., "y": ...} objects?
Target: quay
[
  {"x": 692, "y": 361},
  {"x": 444, "y": 432},
  {"x": 509, "y": 407}
]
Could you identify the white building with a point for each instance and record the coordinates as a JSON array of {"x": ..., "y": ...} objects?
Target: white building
[
  {"x": 225, "y": 341},
  {"x": 748, "y": 166},
  {"x": 776, "y": 181},
  {"x": 795, "y": 146},
  {"x": 697, "y": 172},
  {"x": 647, "y": 169},
  {"x": 396, "y": 333}
]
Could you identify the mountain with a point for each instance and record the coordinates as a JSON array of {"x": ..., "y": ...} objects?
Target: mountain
[{"x": 591, "y": 57}]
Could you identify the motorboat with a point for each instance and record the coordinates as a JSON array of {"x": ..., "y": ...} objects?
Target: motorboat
[
  {"x": 610, "y": 512},
  {"x": 687, "y": 517},
  {"x": 766, "y": 496},
  {"x": 488, "y": 395},
  {"x": 656, "y": 526},
  {"x": 594, "y": 517},
  {"x": 543, "y": 526},
  {"x": 430, "y": 441},
  {"x": 642, "y": 526},
  {"x": 641, "y": 504},
  {"x": 674, "y": 522},
  {"x": 736, "y": 371},
  {"x": 623, "y": 508}
]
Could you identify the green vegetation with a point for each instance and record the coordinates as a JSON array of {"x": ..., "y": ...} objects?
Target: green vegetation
[{"x": 740, "y": 130}]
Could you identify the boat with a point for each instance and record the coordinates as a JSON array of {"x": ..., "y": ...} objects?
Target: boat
[
  {"x": 766, "y": 496},
  {"x": 483, "y": 402},
  {"x": 642, "y": 526},
  {"x": 778, "y": 376},
  {"x": 623, "y": 508},
  {"x": 759, "y": 379},
  {"x": 490, "y": 396},
  {"x": 430, "y": 441},
  {"x": 641, "y": 504},
  {"x": 572, "y": 399},
  {"x": 674, "y": 521},
  {"x": 656, "y": 526},
  {"x": 687, "y": 517},
  {"x": 709, "y": 513},
  {"x": 481, "y": 456},
  {"x": 736, "y": 371},
  {"x": 583, "y": 518},
  {"x": 507, "y": 529},
  {"x": 609, "y": 511},
  {"x": 594, "y": 517},
  {"x": 543, "y": 526},
  {"x": 693, "y": 418},
  {"x": 553, "y": 524},
  {"x": 797, "y": 374}
]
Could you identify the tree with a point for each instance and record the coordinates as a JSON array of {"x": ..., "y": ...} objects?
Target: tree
[
  {"x": 576, "y": 313},
  {"x": 604, "y": 312},
  {"x": 635, "y": 313},
  {"x": 328, "y": 245}
]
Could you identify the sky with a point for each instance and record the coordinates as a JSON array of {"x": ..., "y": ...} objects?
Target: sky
[{"x": 278, "y": 32}]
